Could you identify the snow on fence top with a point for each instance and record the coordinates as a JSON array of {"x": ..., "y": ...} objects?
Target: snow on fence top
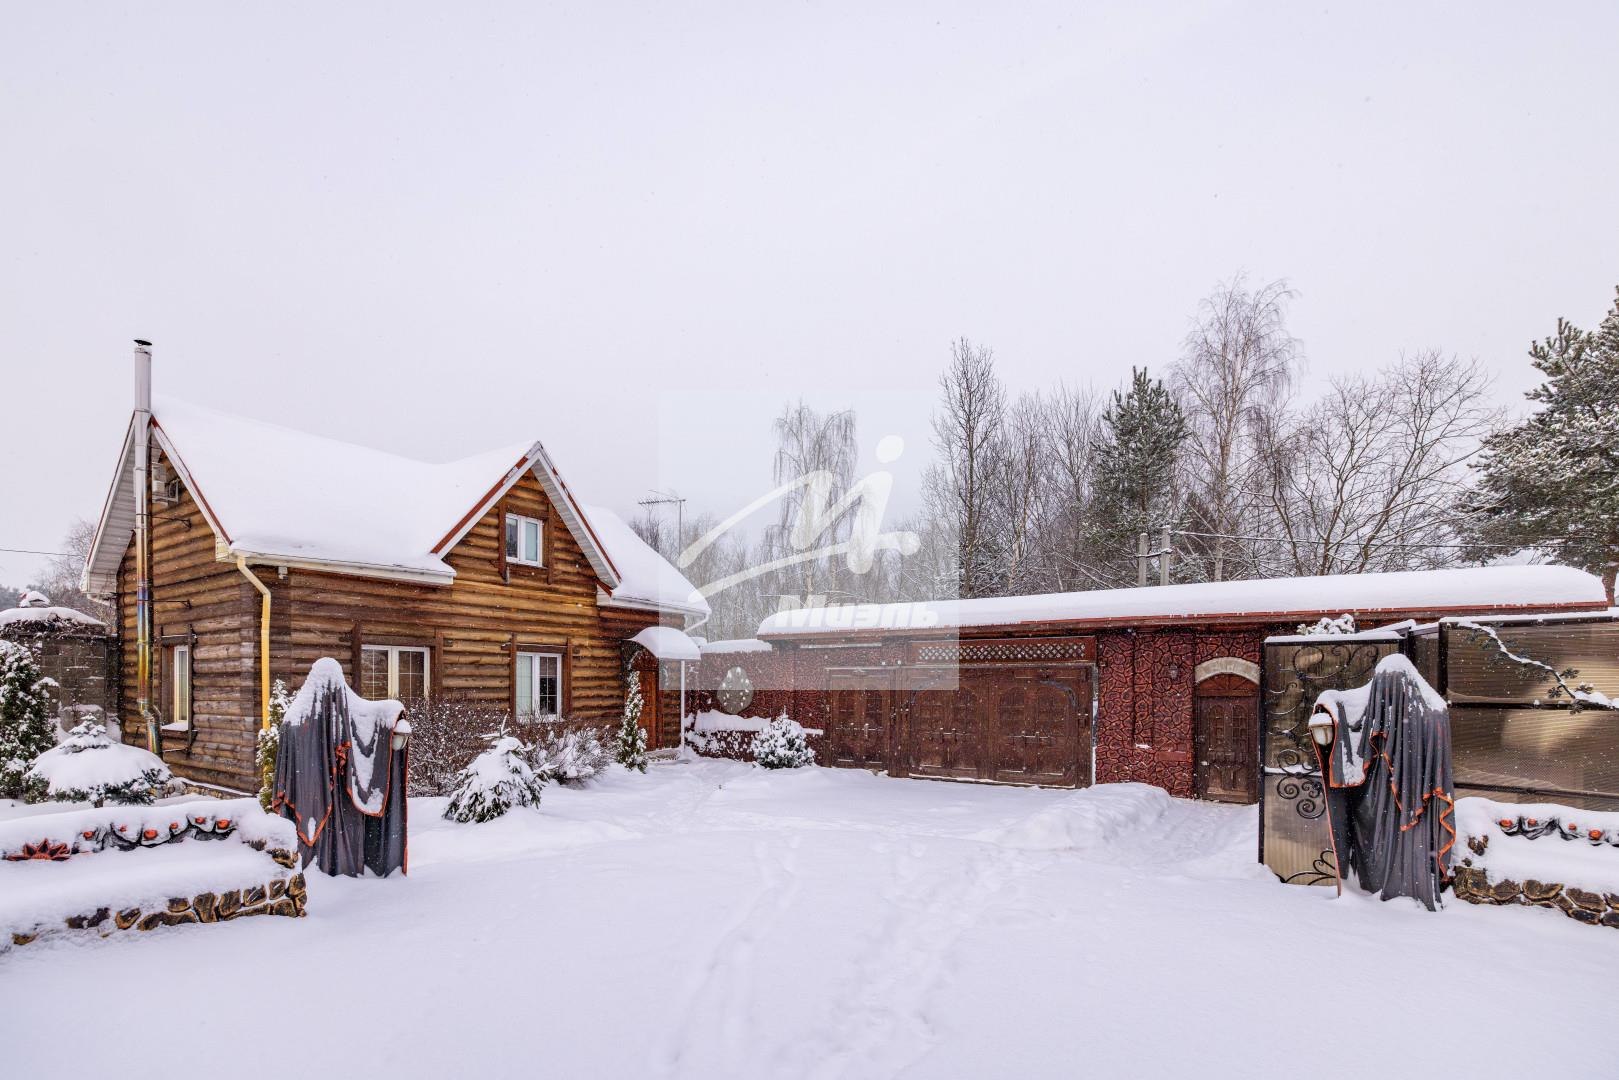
[
  {"x": 35, "y": 609},
  {"x": 1485, "y": 588},
  {"x": 278, "y": 495}
]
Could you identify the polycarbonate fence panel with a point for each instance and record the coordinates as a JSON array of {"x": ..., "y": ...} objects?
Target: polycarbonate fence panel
[
  {"x": 1557, "y": 752},
  {"x": 1479, "y": 670}
]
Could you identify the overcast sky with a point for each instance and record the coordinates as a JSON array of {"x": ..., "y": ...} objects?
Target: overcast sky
[{"x": 636, "y": 231}]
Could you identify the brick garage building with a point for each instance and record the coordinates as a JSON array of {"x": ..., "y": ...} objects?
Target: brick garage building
[{"x": 1159, "y": 685}]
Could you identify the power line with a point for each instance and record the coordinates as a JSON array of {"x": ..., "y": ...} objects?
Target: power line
[
  {"x": 31, "y": 551},
  {"x": 1342, "y": 543}
]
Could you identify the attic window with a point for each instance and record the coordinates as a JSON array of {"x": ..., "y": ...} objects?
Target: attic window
[{"x": 525, "y": 540}]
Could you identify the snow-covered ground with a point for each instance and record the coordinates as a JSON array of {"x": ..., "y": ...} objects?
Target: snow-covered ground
[{"x": 714, "y": 920}]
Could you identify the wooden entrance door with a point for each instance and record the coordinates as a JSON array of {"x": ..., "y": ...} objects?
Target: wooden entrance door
[
  {"x": 646, "y": 669},
  {"x": 1226, "y": 739},
  {"x": 858, "y": 725}
]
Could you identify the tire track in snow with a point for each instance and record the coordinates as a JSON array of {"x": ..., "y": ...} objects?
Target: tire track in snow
[{"x": 720, "y": 991}]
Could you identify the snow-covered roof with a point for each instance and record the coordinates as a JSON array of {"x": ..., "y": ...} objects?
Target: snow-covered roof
[
  {"x": 736, "y": 645},
  {"x": 646, "y": 579},
  {"x": 1479, "y": 589},
  {"x": 278, "y": 495},
  {"x": 666, "y": 643}
]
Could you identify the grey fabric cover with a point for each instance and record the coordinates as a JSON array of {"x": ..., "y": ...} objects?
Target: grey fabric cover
[
  {"x": 1390, "y": 801},
  {"x": 339, "y": 780}
]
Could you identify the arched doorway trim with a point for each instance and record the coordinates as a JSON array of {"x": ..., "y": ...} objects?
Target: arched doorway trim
[{"x": 1226, "y": 665}]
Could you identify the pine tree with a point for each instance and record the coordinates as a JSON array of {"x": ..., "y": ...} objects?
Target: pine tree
[
  {"x": 1136, "y": 457},
  {"x": 268, "y": 746},
  {"x": 25, "y": 716},
  {"x": 631, "y": 738},
  {"x": 1552, "y": 482}
]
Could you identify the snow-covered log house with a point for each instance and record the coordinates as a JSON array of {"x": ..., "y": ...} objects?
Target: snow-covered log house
[{"x": 484, "y": 580}]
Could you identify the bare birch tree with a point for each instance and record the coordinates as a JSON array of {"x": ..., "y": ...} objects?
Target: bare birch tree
[
  {"x": 967, "y": 427},
  {"x": 1238, "y": 362}
]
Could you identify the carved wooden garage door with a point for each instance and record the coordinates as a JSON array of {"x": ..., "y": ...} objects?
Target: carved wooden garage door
[
  {"x": 944, "y": 733},
  {"x": 1021, "y": 725},
  {"x": 857, "y": 728},
  {"x": 1035, "y": 728}
]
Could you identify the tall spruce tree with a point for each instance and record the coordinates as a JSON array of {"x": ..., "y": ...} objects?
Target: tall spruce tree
[
  {"x": 1136, "y": 455},
  {"x": 25, "y": 716},
  {"x": 1552, "y": 482},
  {"x": 631, "y": 748}
]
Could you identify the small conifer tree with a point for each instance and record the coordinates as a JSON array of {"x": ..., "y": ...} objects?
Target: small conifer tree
[
  {"x": 631, "y": 738},
  {"x": 269, "y": 742},
  {"x": 25, "y": 716}
]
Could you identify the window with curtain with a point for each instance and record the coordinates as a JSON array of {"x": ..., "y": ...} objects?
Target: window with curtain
[
  {"x": 393, "y": 671},
  {"x": 539, "y": 686}
]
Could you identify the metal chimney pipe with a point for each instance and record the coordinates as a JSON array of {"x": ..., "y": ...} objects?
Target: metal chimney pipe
[{"x": 141, "y": 432}]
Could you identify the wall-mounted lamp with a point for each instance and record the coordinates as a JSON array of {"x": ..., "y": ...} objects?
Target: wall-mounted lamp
[{"x": 1321, "y": 725}]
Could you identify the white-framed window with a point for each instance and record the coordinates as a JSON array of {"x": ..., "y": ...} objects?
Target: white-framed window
[
  {"x": 539, "y": 686},
  {"x": 179, "y": 688},
  {"x": 393, "y": 671},
  {"x": 525, "y": 540}
]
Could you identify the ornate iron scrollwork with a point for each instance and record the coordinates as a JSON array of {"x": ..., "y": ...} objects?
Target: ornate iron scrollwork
[{"x": 1323, "y": 870}]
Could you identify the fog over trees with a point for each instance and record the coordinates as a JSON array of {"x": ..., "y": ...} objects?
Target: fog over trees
[{"x": 1050, "y": 490}]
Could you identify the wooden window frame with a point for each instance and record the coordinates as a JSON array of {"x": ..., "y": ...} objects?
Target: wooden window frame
[
  {"x": 176, "y": 652},
  {"x": 393, "y": 650},
  {"x": 532, "y": 657},
  {"x": 541, "y": 541}
]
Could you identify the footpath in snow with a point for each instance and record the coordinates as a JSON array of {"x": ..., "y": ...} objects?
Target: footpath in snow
[{"x": 714, "y": 920}]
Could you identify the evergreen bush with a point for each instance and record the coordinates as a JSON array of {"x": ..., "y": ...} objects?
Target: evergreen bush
[
  {"x": 26, "y": 728},
  {"x": 782, "y": 744},
  {"x": 494, "y": 782}
]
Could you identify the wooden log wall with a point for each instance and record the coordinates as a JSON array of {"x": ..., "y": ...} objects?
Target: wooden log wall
[{"x": 196, "y": 595}]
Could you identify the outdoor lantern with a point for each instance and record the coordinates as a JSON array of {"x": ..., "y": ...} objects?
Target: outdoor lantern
[
  {"x": 401, "y": 734},
  {"x": 1321, "y": 728}
]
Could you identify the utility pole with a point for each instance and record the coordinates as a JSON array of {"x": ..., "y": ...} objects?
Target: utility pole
[
  {"x": 664, "y": 498},
  {"x": 1141, "y": 560},
  {"x": 1166, "y": 555}
]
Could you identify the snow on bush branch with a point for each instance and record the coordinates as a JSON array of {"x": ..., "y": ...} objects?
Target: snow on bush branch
[
  {"x": 90, "y": 767},
  {"x": 1326, "y": 626},
  {"x": 782, "y": 744},
  {"x": 496, "y": 780}
]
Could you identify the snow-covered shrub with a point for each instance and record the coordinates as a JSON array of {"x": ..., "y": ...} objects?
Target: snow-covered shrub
[
  {"x": 445, "y": 735},
  {"x": 567, "y": 755},
  {"x": 1326, "y": 626},
  {"x": 495, "y": 781},
  {"x": 89, "y": 767},
  {"x": 26, "y": 729},
  {"x": 268, "y": 744},
  {"x": 631, "y": 750},
  {"x": 782, "y": 744}
]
